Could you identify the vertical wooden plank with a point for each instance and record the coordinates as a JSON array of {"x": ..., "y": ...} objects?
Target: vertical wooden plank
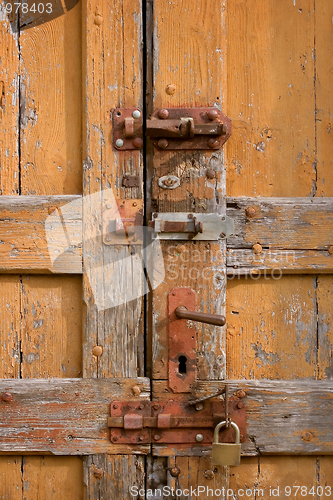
[
  {"x": 50, "y": 106},
  {"x": 325, "y": 328},
  {"x": 51, "y": 327},
  {"x": 51, "y": 477},
  {"x": 10, "y": 478},
  {"x": 270, "y": 98},
  {"x": 9, "y": 106},
  {"x": 324, "y": 96},
  {"x": 325, "y": 472},
  {"x": 10, "y": 331},
  {"x": 271, "y": 328},
  {"x": 112, "y": 77}
]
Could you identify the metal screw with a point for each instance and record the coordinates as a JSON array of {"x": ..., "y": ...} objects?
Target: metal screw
[
  {"x": 7, "y": 397},
  {"x": 141, "y": 407},
  {"x": 169, "y": 182},
  {"x": 98, "y": 473},
  {"x": 137, "y": 143},
  {"x": 135, "y": 204},
  {"x": 170, "y": 89},
  {"x": 156, "y": 406},
  {"x": 162, "y": 143},
  {"x": 240, "y": 393},
  {"x": 213, "y": 143},
  {"x": 222, "y": 235},
  {"x": 199, "y": 406},
  {"x": 163, "y": 114},
  {"x": 250, "y": 211},
  {"x": 209, "y": 474},
  {"x": 174, "y": 471},
  {"x": 190, "y": 216},
  {"x": 157, "y": 437},
  {"x": 136, "y": 114},
  {"x": 97, "y": 350},
  {"x": 119, "y": 143},
  {"x": 98, "y": 19},
  {"x": 108, "y": 206},
  {"x": 211, "y": 174},
  {"x": 115, "y": 438},
  {"x": 257, "y": 248},
  {"x": 115, "y": 406},
  {"x": 136, "y": 390},
  {"x": 307, "y": 436},
  {"x": 212, "y": 114},
  {"x": 141, "y": 438},
  {"x": 199, "y": 438},
  {"x": 240, "y": 405}
]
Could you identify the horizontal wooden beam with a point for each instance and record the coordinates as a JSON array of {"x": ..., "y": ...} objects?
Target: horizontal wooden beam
[
  {"x": 64, "y": 416},
  {"x": 33, "y": 230},
  {"x": 70, "y": 416},
  {"x": 43, "y": 234},
  {"x": 283, "y": 417}
]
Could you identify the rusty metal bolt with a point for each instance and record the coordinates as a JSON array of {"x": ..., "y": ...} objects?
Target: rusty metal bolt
[
  {"x": 199, "y": 406},
  {"x": 137, "y": 142},
  {"x": 163, "y": 114},
  {"x": 307, "y": 436},
  {"x": 134, "y": 204},
  {"x": 257, "y": 248},
  {"x": 174, "y": 471},
  {"x": 7, "y": 397},
  {"x": 162, "y": 143},
  {"x": 98, "y": 19},
  {"x": 157, "y": 437},
  {"x": 250, "y": 212},
  {"x": 170, "y": 89},
  {"x": 155, "y": 215},
  {"x": 141, "y": 438},
  {"x": 156, "y": 406},
  {"x": 213, "y": 143},
  {"x": 209, "y": 474},
  {"x": 240, "y": 393},
  {"x": 97, "y": 350},
  {"x": 240, "y": 405},
  {"x": 136, "y": 390},
  {"x": 141, "y": 407},
  {"x": 211, "y": 174},
  {"x": 114, "y": 438},
  {"x": 98, "y": 473},
  {"x": 115, "y": 406},
  {"x": 330, "y": 250},
  {"x": 190, "y": 216},
  {"x": 213, "y": 114},
  {"x": 222, "y": 235}
]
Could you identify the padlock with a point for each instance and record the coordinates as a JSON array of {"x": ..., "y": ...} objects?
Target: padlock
[{"x": 226, "y": 453}]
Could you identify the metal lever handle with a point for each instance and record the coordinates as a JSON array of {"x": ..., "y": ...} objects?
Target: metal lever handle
[
  {"x": 184, "y": 128},
  {"x": 211, "y": 319}
]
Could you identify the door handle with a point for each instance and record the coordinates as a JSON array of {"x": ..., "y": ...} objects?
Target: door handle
[{"x": 211, "y": 319}]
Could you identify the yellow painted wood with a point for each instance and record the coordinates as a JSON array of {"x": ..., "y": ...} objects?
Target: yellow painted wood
[
  {"x": 10, "y": 332},
  {"x": 10, "y": 478}
]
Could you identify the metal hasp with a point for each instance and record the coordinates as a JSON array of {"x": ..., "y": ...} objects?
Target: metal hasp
[
  {"x": 168, "y": 421},
  {"x": 196, "y": 227},
  {"x": 122, "y": 222},
  {"x": 171, "y": 129}
]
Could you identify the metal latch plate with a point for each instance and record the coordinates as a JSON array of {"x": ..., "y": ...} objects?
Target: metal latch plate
[
  {"x": 122, "y": 222},
  {"x": 184, "y": 226}
]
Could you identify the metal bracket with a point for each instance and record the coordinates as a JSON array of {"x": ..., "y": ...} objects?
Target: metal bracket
[
  {"x": 171, "y": 129},
  {"x": 196, "y": 227},
  {"x": 122, "y": 222},
  {"x": 172, "y": 421}
]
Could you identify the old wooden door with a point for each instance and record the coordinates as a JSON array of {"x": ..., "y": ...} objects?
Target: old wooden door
[{"x": 66, "y": 354}]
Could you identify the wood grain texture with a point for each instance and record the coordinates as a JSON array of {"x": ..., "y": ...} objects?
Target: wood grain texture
[
  {"x": 119, "y": 473},
  {"x": 64, "y": 416},
  {"x": 50, "y": 477},
  {"x": 51, "y": 326},
  {"x": 112, "y": 78},
  {"x": 50, "y": 106},
  {"x": 325, "y": 329},
  {"x": 10, "y": 331},
  {"x": 324, "y": 97},
  {"x": 283, "y": 417},
  {"x": 271, "y": 328},
  {"x": 41, "y": 234},
  {"x": 9, "y": 107},
  {"x": 10, "y": 478},
  {"x": 270, "y": 97}
]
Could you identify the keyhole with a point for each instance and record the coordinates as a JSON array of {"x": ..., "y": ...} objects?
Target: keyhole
[{"x": 182, "y": 364}]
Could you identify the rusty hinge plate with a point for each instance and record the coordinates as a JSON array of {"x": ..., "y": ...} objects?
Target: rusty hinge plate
[
  {"x": 171, "y": 128},
  {"x": 122, "y": 222},
  {"x": 172, "y": 421}
]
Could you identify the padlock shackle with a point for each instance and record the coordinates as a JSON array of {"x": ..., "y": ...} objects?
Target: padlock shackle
[{"x": 223, "y": 424}]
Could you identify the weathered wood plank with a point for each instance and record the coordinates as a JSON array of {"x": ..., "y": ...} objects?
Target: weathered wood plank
[
  {"x": 64, "y": 416},
  {"x": 283, "y": 417},
  {"x": 41, "y": 234},
  {"x": 10, "y": 331},
  {"x": 281, "y": 223},
  {"x": 270, "y": 97}
]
